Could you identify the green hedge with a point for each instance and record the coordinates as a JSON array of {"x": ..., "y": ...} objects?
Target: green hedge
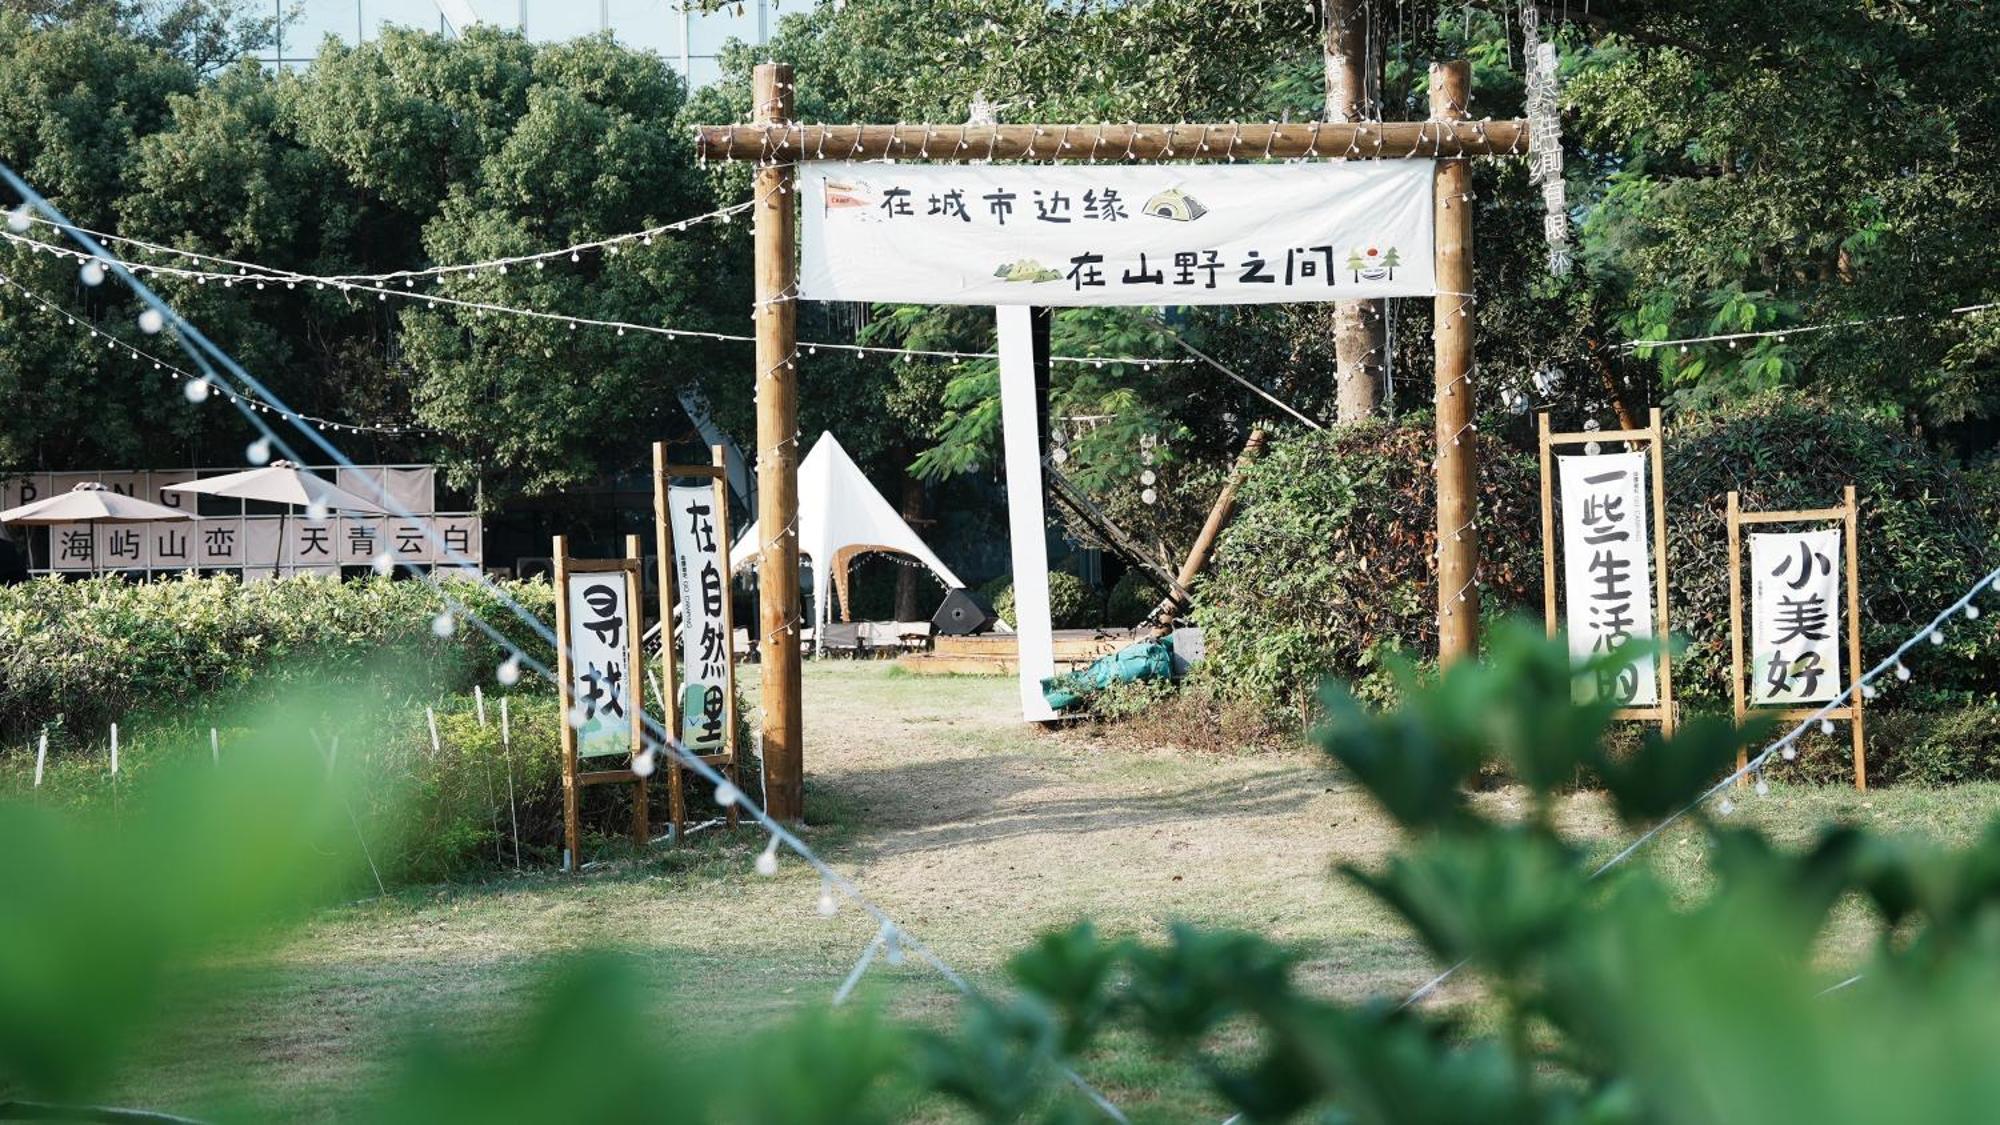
[
  {"x": 1928, "y": 531},
  {"x": 1073, "y": 604},
  {"x": 76, "y": 656},
  {"x": 1330, "y": 561}
]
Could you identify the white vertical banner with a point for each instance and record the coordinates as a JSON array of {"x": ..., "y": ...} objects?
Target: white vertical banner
[
  {"x": 1795, "y": 616},
  {"x": 1607, "y": 572},
  {"x": 600, "y": 662},
  {"x": 1027, "y": 521},
  {"x": 700, "y": 585}
]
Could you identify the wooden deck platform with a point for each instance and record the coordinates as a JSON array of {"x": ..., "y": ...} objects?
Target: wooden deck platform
[{"x": 994, "y": 654}]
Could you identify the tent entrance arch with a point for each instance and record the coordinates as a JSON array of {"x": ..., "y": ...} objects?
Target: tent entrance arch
[
  {"x": 840, "y": 517},
  {"x": 778, "y": 146}
]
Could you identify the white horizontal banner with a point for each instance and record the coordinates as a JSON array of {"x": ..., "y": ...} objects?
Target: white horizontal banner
[{"x": 1157, "y": 234}]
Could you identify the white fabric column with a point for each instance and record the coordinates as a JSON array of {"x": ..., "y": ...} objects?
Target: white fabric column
[{"x": 1027, "y": 524}]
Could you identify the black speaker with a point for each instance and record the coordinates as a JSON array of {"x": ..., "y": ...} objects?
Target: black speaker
[{"x": 962, "y": 614}]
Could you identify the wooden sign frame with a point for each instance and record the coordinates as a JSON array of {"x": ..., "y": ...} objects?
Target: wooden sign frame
[
  {"x": 1665, "y": 712},
  {"x": 1848, "y": 515},
  {"x": 575, "y": 778},
  {"x": 716, "y": 471}
]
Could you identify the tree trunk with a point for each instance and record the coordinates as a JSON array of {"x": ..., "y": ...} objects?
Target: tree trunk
[
  {"x": 1353, "y": 93},
  {"x": 907, "y": 608}
]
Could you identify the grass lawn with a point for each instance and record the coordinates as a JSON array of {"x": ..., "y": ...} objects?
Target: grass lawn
[{"x": 975, "y": 832}]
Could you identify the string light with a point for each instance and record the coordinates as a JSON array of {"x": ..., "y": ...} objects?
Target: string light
[
  {"x": 1733, "y": 338},
  {"x": 574, "y": 322}
]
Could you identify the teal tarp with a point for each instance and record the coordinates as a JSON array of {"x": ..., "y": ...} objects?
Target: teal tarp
[{"x": 1145, "y": 660}]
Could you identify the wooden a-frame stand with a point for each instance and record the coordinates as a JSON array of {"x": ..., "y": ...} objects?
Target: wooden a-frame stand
[
  {"x": 725, "y": 762},
  {"x": 575, "y": 778},
  {"x": 776, "y": 144},
  {"x": 1847, "y": 514},
  {"x": 1665, "y": 713}
]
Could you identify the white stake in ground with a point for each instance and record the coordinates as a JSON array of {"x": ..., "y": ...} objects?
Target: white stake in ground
[
  {"x": 214, "y": 746},
  {"x": 507, "y": 748},
  {"x": 41, "y": 756}
]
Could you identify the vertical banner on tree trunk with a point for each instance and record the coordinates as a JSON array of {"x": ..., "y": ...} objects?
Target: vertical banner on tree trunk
[
  {"x": 1795, "y": 616},
  {"x": 700, "y": 579},
  {"x": 1607, "y": 567},
  {"x": 602, "y": 688},
  {"x": 1027, "y": 521}
]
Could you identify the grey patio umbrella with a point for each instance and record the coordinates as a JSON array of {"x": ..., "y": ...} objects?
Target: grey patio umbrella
[
  {"x": 282, "y": 482},
  {"x": 91, "y": 503}
]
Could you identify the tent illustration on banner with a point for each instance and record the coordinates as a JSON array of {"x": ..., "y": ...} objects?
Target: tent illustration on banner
[{"x": 841, "y": 516}]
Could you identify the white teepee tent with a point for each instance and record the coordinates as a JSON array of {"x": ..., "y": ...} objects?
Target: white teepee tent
[{"x": 841, "y": 516}]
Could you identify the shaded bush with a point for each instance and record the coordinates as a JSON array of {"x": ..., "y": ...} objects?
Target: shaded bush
[
  {"x": 1927, "y": 532},
  {"x": 1132, "y": 597},
  {"x": 1331, "y": 560},
  {"x": 1073, "y": 604},
  {"x": 79, "y": 655}
]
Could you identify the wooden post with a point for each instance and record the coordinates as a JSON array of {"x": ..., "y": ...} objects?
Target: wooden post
[
  {"x": 1548, "y": 522},
  {"x": 1218, "y": 517},
  {"x": 719, "y": 458},
  {"x": 670, "y": 707},
  {"x": 1457, "y": 443},
  {"x": 1853, "y": 528},
  {"x": 1736, "y": 694},
  {"x": 1663, "y": 630},
  {"x": 642, "y": 829},
  {"x": 572, "y": 834},
  {"x": 778, "y": 454}
]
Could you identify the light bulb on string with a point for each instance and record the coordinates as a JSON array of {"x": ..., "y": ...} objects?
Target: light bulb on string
[
  {"x": 1763, "y": 787},
  {"x": 1971, "y": 612},
  {"x": 644, "y": 764},
  {"x": 92, "y": 273},
  {"x": 726, "y": 794},
  {"x": 151, "y": 321},
  {"x": 1725, "y": 806},
  {"x": 1902, "y": 671},
  {"x": 316, "y": 512},
  {"x": 828, "y": 904},
  {"x": 767, "y": 860},
  {"x": 443, "y": 625},
  {"x": 258, "y": 452},
  {"x": 384, "y": 564},
  {"x": 510, "y": 670},
  {"x": 17, "y": 219},
  {"x": 1937, "y": 636},
  {"x": 196, "y": 390}
]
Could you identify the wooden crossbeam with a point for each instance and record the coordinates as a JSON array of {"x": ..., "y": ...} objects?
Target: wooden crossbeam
[{"x": 1367, "y": 140}]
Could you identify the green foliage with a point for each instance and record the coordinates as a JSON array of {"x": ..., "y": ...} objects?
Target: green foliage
[
  {"x": 1926, "y": 533},
  {"x": 79, "y": 655},
  {"x": 1329, "y": 562},
  {"x": 1073, "y": 604},
  {"x": 1132, "y": 597},
  {"x": 108, "y": 908}
]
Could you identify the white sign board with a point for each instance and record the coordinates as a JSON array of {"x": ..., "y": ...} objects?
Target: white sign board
[
  {"x": 1607, "y": 572},
  {"x": 700, "y": 584},
  {"x": 1795, "y": 616},
  {"x": 603, "y": 694},
  {"x": 1155, "y": 234}
]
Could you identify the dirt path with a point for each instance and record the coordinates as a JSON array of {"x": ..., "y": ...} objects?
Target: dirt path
[{"x": 990, "y": 831}]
